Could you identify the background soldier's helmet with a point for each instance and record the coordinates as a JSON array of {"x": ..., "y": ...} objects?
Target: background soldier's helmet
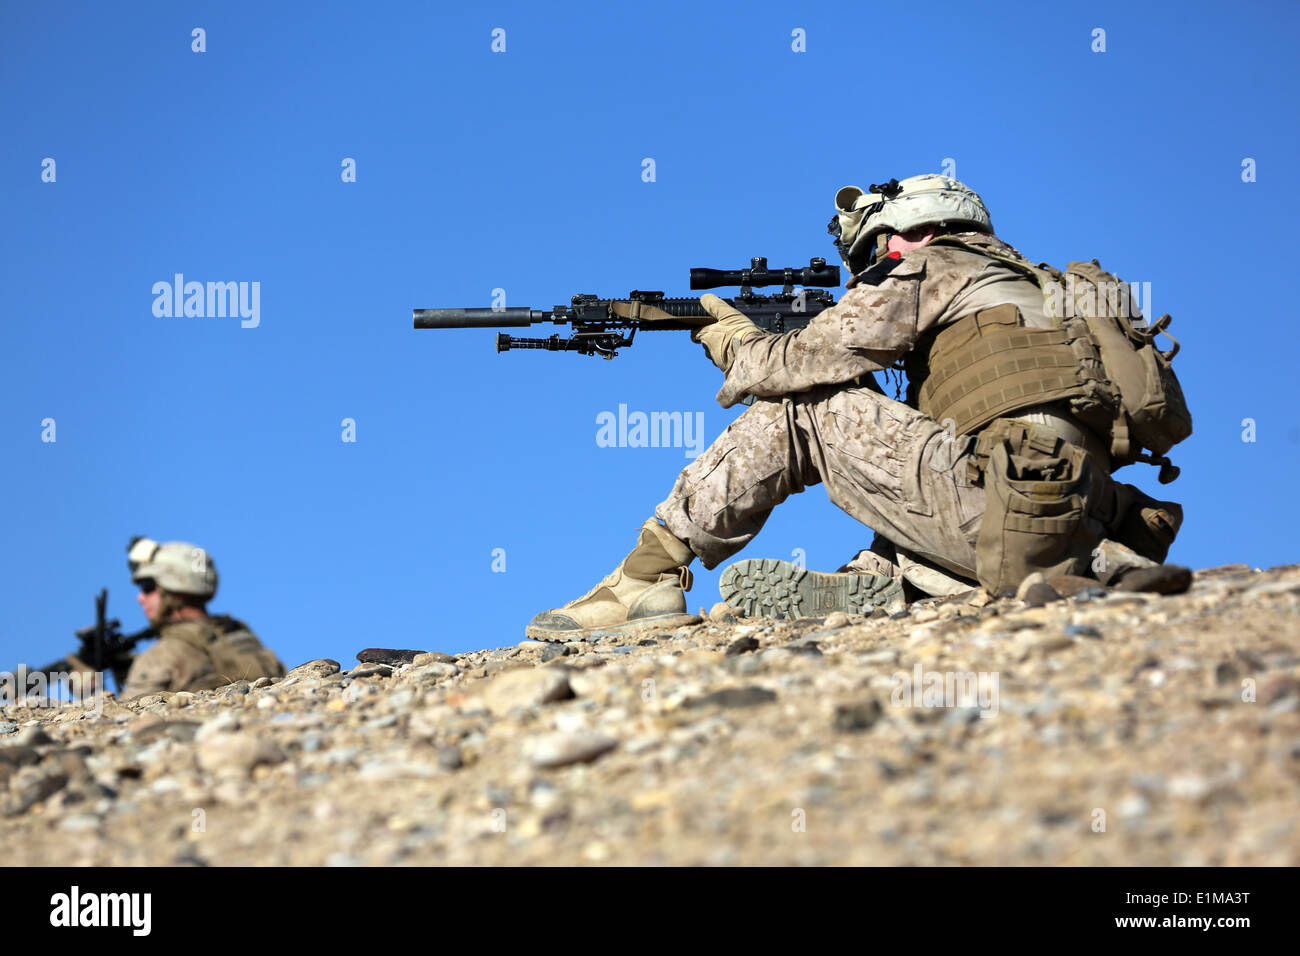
[
  {"x": 865, "y": 220},
  {"x": 139, "y": 551},
  {"x": 176, "y": 566}
]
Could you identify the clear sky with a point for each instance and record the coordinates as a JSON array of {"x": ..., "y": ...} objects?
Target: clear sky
[{"x": 522, "y": 170}]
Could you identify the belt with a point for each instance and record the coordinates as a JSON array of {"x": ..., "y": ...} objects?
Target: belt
[
  {"x": 1065, "y": 427},
  {"x": 1041, "y": 426}
]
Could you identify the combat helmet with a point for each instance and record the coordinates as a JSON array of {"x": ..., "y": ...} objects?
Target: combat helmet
[
  {"x": 865, "y": 220},
  {"x": 176, "y": 566}
]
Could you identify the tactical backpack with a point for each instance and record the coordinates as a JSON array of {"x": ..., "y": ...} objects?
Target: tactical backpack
[{"x": 1153, "y": 413}]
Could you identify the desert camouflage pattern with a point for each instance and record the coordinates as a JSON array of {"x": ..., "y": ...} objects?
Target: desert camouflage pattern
[
  {"x": 815, "y": 420},
  {"x": 888, "y": 465},
  {"x": 200, "y": 654},
  {"x": 881, "y": 317},
  {"x": 920, "y": 200}
]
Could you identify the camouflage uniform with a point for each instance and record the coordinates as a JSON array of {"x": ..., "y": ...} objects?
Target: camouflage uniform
[
  {"x": 819, "y": 417},
  {"x": 200, "y": 654}
]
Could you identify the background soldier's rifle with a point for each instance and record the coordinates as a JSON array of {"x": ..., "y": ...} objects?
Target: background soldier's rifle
[
  {"x": 602, "y": 326},
  {"x": 103, "y": 647}
]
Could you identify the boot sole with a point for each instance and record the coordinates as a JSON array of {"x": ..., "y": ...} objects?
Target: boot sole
[
  {"x": 656, "y": 623},
  {"x": 765, "y": 587}
]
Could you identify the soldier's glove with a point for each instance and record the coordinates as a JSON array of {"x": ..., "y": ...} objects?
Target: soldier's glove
[{"x": 728, "y": 327}]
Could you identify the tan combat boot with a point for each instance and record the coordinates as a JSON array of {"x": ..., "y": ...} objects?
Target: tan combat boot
[
  {"x": 648, "y": 589},
  {"x": 766, "y": 587}
]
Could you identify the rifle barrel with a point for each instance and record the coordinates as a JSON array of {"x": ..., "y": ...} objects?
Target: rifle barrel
[{"x": 473, "y": 318}]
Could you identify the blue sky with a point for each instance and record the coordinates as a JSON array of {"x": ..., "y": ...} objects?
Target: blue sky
[{"x": 522, "y": 170}]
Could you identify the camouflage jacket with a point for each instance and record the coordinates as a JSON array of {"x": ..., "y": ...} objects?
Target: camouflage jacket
[{"x": 881, "y": 318}]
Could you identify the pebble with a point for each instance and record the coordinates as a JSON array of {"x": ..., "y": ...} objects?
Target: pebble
[
  {"x": 236, "y": 753},
  {"x": 741, "y": 645},
  {"x": 1082, "y": 630},
  {"x": 378, "y": 770},
  {"x": 32, "y": 737},
  {"x": 1047, "y": 643},
  {"x": 532, "y": 687},
  {"x": 1147, "y": 723},
  {"x": 80, "y": 823},
  {"x": 562, "y": 749},
  {"x": 1039, "y": 594},
  {"x": 734, "y": 697},
  {"x": 1134, "y": 806},
  {"x": 450, "y": 758},
  {"x": 223, "y": 723},
  {"x": 432, "y": 657},
  {"x": 856, "y": 717},
  {"x": 323, "y": 667},
  {"x": 387, "y": 655},
  {"x": 370, "y": 670},
  {"x": 7, "y": 727},
  {"x": 554, "y": 651}
]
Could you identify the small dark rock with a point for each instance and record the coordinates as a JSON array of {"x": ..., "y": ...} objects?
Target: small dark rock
[
  {"x": 734, "y": 697},
  {"x": 1226, "y": 672},
  {"x": 449, "y": 757},
  {"x": 807, "y": 645},
  {"x": 1056, "y": 818},
  {"x": 1161, "y": 579},
  {"x": 1036, "y": 595},
  {"x": 555, "y": 651},
  {"x": 387, "y": 655},
  {"x": 32, "y": 737},
  {"x": 853, "y": 718},
  {"x": 742, "y": 645},
  {"x": 1082, "y": 630}
]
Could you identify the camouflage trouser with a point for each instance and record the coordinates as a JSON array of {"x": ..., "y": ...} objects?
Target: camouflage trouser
[{"x": 889, "y": 466}]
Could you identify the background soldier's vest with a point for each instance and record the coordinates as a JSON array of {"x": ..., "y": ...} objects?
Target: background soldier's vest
[
  {"x": 990, "y": 364},
  {"x": 235, "y": 651}
]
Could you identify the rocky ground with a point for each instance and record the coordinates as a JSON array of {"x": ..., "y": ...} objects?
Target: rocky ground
[{"x": 1103, "y": 728}]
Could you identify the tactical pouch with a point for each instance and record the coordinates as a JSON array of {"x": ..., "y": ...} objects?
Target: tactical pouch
[{"x": 1038, "y": 514}]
